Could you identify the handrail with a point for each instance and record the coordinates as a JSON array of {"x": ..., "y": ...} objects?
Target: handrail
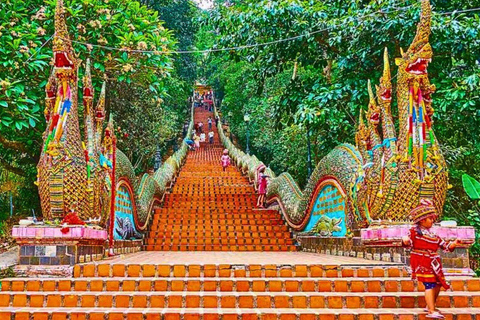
[{"x": 282, "y": 189}]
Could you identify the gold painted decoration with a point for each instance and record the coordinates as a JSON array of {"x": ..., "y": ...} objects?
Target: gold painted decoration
[
  {"x": 62, "y": 166},
  {"x": 69, "y": 176}
]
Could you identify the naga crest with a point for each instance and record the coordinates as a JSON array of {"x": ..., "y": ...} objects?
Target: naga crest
[
  {"x": 373, "y": 112},
  {"x": 413, "y": 64},
  {"x": 384, "y": 89},
  {"x": 361, "y": 137}
]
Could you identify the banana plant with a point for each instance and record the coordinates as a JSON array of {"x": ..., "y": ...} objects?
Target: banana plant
[{"x": 471, "y": 186}]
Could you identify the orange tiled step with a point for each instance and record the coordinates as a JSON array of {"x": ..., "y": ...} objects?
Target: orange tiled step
[
  {"x": 228, "y": 245},
  {"x": 238, "y": 195},
  {"x": 216, "y": 220},
  {"x": 225, "y": 238},
  {"x": 226, "y": 206},
  {"x": 228, "y": 314},
  {"x": 162, "y": 223},
  {"x": 226, "y": 284},
  {"x": 195, "y": 299},
  {"x": 203, "y": 221},
  {"x": 219, "y": 230},
  {"x": 216, "y": 226},
  {"x": 220, "y": 214},
  {"x": 223, "y": 247},
  {"x": 233, "y": 215},
  {"x": 233, "y": 210},
  {"x": 212, "y": 242},
  {"x": 209, "y": 202},
  {"x": 251, "y": 271}
]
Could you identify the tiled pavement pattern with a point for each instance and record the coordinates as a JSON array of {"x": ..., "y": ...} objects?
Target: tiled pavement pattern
[
  {"x": 220, "y": 285},
  {"x": 211, "y": 210}
]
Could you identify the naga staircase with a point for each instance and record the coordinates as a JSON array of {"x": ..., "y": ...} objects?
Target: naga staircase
[{"x": 212, "y": 210}]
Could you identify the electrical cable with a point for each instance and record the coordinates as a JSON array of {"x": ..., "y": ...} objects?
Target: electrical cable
[{"x": 244, "y": 46}]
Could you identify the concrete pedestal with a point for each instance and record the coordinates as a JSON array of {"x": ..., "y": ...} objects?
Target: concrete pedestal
[
  {"x": 49, "y": 246},
  {"x": 384, "y": 243}
]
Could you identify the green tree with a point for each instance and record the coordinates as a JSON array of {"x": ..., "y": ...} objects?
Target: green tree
[
  {"x": 180, "y": 16},
  {"x": 337, "y": 47},
  {"x": 25, "y": 66}
]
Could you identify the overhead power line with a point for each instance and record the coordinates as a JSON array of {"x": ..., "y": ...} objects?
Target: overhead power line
[{"x": 248, "y": 46}]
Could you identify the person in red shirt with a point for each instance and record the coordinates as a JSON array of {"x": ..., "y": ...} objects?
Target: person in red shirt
[{"x": 424, "y": 259}]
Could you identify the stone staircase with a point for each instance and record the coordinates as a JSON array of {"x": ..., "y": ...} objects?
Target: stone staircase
[
  {"x": 117, "y": 291},
  {"x": 211, "y": 210}
]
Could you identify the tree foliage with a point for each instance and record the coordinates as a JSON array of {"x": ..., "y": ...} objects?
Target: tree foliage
[
  {"x": 180, "y": 16},
  {"x": 337, "y": 47},
  {"x": 135, "y": 81}
]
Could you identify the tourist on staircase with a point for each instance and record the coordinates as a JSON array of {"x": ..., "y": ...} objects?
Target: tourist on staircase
[
  {"x": 190, "y": 144},
  {"x": 203, "y": 138},
  {"x": 262, "y": 188},
  {"x": 424, "y": 259},
  {"x": 209, "y": 123},
  {"x": 210, "y": 136},
  {"x": 196, "y": 139},
  {"x": 225, "y": 160},
  {"x": 200, "y": 126}
]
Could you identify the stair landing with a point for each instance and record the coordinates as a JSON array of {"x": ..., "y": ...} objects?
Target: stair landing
[{"x": 238, "y": 258}]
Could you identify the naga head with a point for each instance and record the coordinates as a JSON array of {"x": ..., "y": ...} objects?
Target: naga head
[
  {"x": 373, "y": 113},
  {"x": 362, "y": 135},
  {"x": 384, "y": 90},
  {"x": 100, "y": 110},
  {"x": 415, "y": 60},
  {"x": 413, "y": 64},
  {"x": 87, "y": 82},
  {"x": 64, "y": 57}
]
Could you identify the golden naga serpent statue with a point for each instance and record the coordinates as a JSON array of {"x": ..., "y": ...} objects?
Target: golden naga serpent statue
[
  {"x": 75, "y": 175},
  {"x": 386, "y": 174}
]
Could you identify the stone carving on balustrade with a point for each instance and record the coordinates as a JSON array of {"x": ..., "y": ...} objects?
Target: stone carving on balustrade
[{"x": 77, "y": 176}]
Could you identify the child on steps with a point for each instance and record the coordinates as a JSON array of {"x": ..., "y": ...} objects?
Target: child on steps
[{"x": 424, "y": 259}]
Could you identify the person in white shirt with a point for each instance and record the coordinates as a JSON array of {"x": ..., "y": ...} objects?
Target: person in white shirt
[
  {"x": 210, "y": 137},
  {"x": 209, "y": 123}
]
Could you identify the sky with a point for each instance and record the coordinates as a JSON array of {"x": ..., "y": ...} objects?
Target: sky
[{"x": 204, "y": 4}]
